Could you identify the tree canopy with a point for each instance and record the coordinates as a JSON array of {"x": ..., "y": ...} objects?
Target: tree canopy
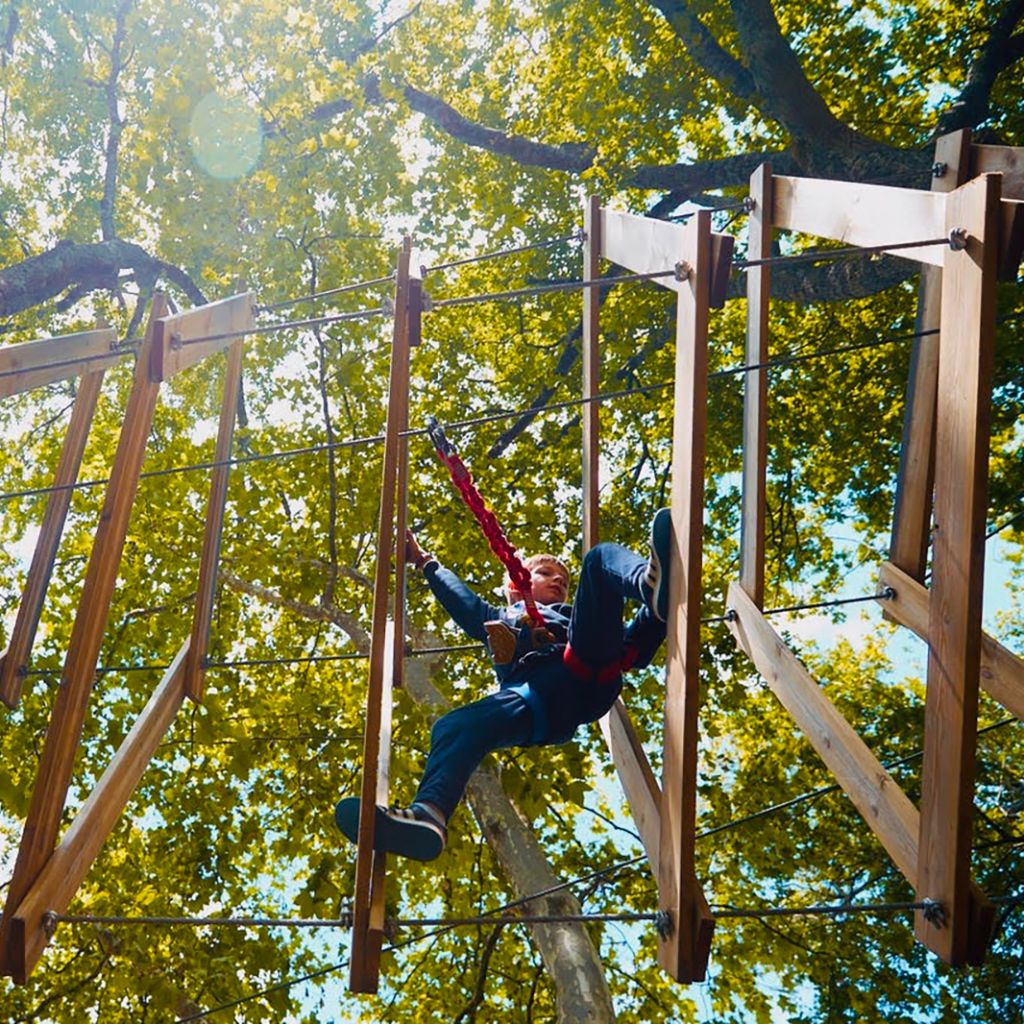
[{"x": 209, "y": 143}]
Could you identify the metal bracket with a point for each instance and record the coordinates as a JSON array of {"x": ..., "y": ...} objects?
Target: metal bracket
[{"x": 958, "y": 239}]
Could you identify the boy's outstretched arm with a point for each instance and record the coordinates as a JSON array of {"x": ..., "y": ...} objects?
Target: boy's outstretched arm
[{"x": 466, "y": 609}]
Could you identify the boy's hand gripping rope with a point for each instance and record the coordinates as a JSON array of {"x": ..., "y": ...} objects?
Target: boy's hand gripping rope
[{"x": 518, "y": 573}]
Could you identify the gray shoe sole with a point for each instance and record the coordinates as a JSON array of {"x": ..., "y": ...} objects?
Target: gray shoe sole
[{"x": 417, "y": 840}]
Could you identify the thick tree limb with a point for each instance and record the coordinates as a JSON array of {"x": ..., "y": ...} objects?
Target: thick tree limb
[
  {"x": 107, "y": 202},
  {"x": 707, "y": 51},
  {"x": 85, "y": 267},
  {"x": 1000, "y": 50}
]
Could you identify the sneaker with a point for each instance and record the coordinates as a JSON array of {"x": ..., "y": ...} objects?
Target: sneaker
[
  {"x": 408, "y": 831},
  {"x": 655, "y": 582}
]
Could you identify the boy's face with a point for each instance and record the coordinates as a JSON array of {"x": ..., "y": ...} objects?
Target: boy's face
[{"x": 550, "y": 584}]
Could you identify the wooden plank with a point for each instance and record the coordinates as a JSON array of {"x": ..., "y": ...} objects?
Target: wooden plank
[
  {"x": 1011, "y": 247},
  {"x": 59, "y": 880},
  {"x": 202, "y": 614},
  {"x": 33, "y": 364},
  {"x": 643, "y": 794},
  {"x": 875, "y": 794},
  {"x": 14, "y": 664},
  {"x": 954, "y": 622},
  {"x": 176, "y": 347},
  {"x": 1005, "y": 160},
  {"x": 65, "y": 728},
  {"x": 1002, "y": 671},
  {"x": 642, "y": 245},
  {"x": 755, "y": 389},
  {"x": 867, "y": 215},
  {"x": 721, "y": 268},
  {"x": 684, "y": 952},
  {"x": 912, "y": 513},
  {"x": 364, "y": 962},
  {"x": 591, "y": 413}
]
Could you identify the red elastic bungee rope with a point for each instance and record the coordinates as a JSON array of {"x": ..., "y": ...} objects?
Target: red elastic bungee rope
[{"x": 517, "y": 572}]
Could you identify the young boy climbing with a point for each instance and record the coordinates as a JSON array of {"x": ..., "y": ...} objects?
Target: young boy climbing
[{"x": 552, "y": 679}]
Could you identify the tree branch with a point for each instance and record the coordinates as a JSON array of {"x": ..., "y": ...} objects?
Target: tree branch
[
  {"x": 107, "y": 226},
  {"x": 85, "y": 267},
  {"x": 999, "y": 51}
]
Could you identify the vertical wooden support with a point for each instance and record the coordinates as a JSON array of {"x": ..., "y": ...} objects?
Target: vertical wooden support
[
  {"x": 908, "y": 549},
  {"x": 591, "y": 371},
  {"x": 203, "y": 612},
  {"x": 65, "y": 728},
  {"x": 367, "y": 927},
  {"x": 57, "y": 883},
  {"x": 14, "y": 663},
  {"x": 755, "y": 389},
  {"x": 684, "y": 953},
  {"x": 954, "y": 624}
]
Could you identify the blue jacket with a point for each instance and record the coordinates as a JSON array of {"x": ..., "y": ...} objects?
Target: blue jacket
[{"x": 560, "y": 700}]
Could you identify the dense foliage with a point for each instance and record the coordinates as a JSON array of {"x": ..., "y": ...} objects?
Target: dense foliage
[{"x": 208, "y": 142}]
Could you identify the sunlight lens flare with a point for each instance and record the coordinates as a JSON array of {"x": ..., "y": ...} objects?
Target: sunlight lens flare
[{"x": 225, "y": 136}]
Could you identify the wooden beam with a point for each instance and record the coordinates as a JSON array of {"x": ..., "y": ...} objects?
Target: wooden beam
[
  {"x": 176, "y": 346},
  {"x": 755, "y": 388},
  {"x": 642, "y": 245},
  {"x": 364, "y": 965},
  {"x": 721, "y": 268},
  {"x": 65, "y": 728},
  {"x": 1011, "y": 248},
  {"x": 954, "y": 624},
  {"x": 912, "y": 513},
  {"x": 1002, "y": 671},
  {"x": 59, "y": 880},
  {"x": 33, "y": 364},
  {"x": 866, "y": 215},
  {"x": 14, "y": 664},
  {"x": 210, "y": 559},
  {"x": 684, "y": 953},
  {"x": 874, "y": 792},
  {"x": 1005, "y": 160},
  {"x": 591, "y": 412},
  {"x": 643, "y": 794}
]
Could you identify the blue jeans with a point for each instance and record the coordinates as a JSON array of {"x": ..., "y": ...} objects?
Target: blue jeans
[{"x": 461, "y": 739}]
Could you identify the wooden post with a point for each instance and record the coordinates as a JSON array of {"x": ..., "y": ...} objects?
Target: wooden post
[
  {"x": 367, "y": 927},
  {"x": 219, "y": 476},
  {"x": 14, "y": 664},
  {"x": 59, "y": 880},
  {"x": 65, "y": 729},
  {"x": 755, "y": 389},
  {"x": 684, "y": 952},
  {"x": 954, "y": 625},
  {"x": 591, "y": 371},
  {"x": 913, "y": 510}
]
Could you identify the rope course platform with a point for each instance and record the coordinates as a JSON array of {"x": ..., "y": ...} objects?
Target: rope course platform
[{"x": 969, "y": 234}]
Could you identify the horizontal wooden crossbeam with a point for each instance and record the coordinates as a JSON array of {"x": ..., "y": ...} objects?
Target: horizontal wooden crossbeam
[{"x": 33, "y": 364}]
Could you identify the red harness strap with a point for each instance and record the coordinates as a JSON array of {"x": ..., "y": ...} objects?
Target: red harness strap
[
  {"x": 517, "y": 572},
  {"x": 606, "y": 674}
]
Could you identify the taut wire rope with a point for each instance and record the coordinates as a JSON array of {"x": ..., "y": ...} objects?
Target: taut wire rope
[{"x": 313, "y": 296}]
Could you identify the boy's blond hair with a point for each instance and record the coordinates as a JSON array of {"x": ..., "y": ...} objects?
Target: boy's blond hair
[{"x": 530, "y": 563}]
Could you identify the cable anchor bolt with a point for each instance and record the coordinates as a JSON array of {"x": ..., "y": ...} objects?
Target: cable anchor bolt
[
  {"x": 345, "y": 915},
  {"x": 939, "y": 169},
  {"x": 426, "y": 302},
  {"x": 177, "y": 341},
  {"x": 49, "y": 924},
  {"x": 663, "y": 924},
  {"x": 683, "y": 270},
  {"x": 387, "y": 306},
  {"x": 886, "y": 594},
  {"x": 958, "y": 239},
  {"x": 731, "y": 615},
  {"x": 749, "y": 204},
  {"x": 933, "y": 912}
]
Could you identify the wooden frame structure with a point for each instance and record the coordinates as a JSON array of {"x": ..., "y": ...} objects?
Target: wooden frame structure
[
  {"x": 47, "y": 874},
  {"x": 931, "y": 847},
  {"x": 665, "y": 816}
]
